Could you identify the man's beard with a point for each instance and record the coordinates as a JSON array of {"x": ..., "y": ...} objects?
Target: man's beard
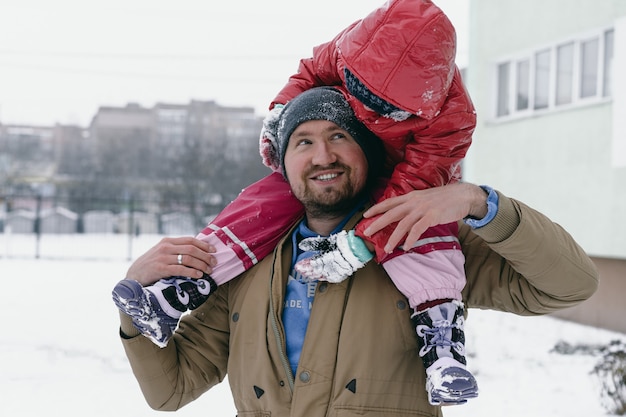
[{"x": 330, "y": 202}]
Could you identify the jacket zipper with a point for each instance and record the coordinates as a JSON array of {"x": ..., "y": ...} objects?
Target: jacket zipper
[{"x": 279, "y": 342}]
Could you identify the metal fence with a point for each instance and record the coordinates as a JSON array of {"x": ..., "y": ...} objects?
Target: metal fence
[{"x": 35, "y": 226}]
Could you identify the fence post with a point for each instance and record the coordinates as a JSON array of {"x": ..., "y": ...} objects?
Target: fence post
[
  {"x": 131, "y": 227},
  {"x": 37, "y": 225}
]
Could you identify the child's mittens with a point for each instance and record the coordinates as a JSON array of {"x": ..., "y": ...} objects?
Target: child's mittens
[
  {"x": 268, "y": 145},
  {"x": 340, "y": 255}
]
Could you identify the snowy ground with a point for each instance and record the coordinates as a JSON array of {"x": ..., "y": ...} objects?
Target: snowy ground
[{"x": 59, "y": 350}]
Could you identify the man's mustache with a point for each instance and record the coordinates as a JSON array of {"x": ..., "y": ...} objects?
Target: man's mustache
[{"x": 313, "y": 171}]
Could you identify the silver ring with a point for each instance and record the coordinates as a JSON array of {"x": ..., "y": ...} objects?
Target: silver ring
[{"x": 180, "y": 259}]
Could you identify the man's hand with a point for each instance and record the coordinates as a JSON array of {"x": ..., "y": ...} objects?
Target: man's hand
[
  {"x": 161, "y": 261},
  {"x": 420, "y": 209}
]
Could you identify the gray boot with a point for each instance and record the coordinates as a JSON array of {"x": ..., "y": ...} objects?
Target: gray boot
[{"x": 442, "y": 348}]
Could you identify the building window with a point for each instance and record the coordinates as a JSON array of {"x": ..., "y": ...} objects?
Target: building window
[
  {"x": 503, "y": 89},
  {"x": 589, "y": 68},
  {"x": 523, "y": 84},
  {"x": 542, "y": 79},
  {"x": 574, "y": 72},
  {"x": 608, "y": 63},
  {"x": 564, "y": 73}
]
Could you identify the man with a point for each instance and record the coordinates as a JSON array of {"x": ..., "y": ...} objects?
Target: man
[{"x": 294, "y": 348}]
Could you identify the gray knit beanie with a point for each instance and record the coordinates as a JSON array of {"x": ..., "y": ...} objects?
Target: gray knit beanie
[{"x": 327, "y": 103}]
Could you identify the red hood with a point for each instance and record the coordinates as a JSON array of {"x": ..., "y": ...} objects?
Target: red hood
[{"x": 403, "y": 57}]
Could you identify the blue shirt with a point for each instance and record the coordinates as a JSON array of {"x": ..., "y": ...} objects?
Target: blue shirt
[{"x": 299, "y": 295}]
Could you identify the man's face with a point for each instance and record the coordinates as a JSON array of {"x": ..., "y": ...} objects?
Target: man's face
[{"x": 326, "y": 168}]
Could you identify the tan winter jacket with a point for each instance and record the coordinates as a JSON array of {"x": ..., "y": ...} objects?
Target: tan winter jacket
[{"x": 360, "y": 353}]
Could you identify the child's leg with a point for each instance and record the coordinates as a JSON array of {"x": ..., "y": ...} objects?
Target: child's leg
[
  {"x": 441, "y": 336},
  {"x": 249, "y": 228},
  {"x": 431, "y": 275},
  {"x": 421, "y": 276},
  {"x": 156, "y": 309},
  {"x": 246, "y": 231}
]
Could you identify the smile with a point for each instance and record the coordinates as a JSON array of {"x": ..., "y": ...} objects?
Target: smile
[{"x": 326, "y": 177}]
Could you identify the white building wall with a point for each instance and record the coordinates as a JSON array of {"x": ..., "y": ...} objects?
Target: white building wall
[
  {"x": 619, "y": 100},
  {"x": 566, "y": 163}
]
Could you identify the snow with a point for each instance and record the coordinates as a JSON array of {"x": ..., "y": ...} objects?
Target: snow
[{"x": 60, "y": 349}]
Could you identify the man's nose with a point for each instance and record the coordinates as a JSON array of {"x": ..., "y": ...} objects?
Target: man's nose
[{"x": 324, "y": 154}]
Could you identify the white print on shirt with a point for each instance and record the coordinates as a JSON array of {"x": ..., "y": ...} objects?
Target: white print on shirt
[
  {"x": 296, "y": 304},
  {"x": 305, "y": 289},
  {"x": 311, "y": 286}
]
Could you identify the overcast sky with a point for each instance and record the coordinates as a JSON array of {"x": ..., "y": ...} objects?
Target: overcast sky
[{"x": 60, "y": 60}]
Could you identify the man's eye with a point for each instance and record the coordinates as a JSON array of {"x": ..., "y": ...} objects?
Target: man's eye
[{"x": 337, "y": 136}]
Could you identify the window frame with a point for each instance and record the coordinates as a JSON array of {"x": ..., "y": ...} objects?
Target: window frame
[{"x": 604, "y": 76}]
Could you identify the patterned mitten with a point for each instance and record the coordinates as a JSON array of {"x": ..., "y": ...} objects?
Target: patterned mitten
[
  {"x": 339, "y": 256},
  {"x": 268, "y": 147}
]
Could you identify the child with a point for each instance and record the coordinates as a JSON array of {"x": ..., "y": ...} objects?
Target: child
[{"x": 396, "y": 69}]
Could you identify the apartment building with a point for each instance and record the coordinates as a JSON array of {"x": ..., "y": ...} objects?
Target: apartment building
[
  {"x": 546, "y": 79},
  {"x": 199, "y": 152}
]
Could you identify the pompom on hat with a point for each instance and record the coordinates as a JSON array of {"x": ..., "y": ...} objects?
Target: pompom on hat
[{"x": 327, "y": 103}]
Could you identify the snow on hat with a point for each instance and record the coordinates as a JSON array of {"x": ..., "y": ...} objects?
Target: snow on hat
[{"x": 327, "y": 103}]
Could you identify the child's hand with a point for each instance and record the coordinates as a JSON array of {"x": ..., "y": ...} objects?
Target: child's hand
[{"x": 339, "y": 256}]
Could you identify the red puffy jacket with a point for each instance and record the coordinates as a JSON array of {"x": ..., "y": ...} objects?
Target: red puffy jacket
[{"x": 403, "y": 52}]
